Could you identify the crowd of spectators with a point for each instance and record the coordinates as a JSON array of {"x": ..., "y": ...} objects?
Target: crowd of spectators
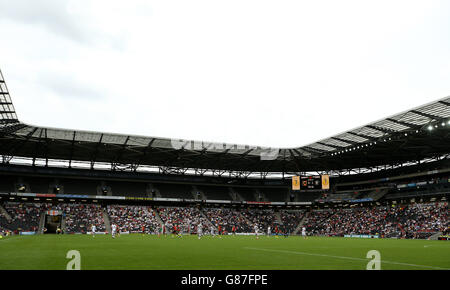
[
  {"x": 262, "y": 218},
  {"x": 227, "y": 219},
  {"x": 409, "y": 221},
  {"x": 315, "y": 219},
  {"x": 25, "y": 217},
  {"x": 185, "y": 219},
  {"x": 290, "y": 220},
  {"x": 402, "y": 221},
  {"x": 422, "y": 220},
  {"x": 133, "y": 218},
  {"x": 80, "y": 217},
  {"x": 363, "y": 221}
]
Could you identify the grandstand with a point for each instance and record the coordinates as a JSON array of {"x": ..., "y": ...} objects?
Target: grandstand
[{"x": 390, "y": 178}]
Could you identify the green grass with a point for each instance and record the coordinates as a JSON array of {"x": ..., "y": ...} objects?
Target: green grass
[{"x": 228, "y": 253}]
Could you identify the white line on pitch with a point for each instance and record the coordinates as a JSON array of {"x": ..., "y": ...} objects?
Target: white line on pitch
[{"x": 342, "y": 257}]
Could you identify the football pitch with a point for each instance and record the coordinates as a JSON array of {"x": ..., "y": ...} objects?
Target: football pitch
[{"x": 140, "y": 252}]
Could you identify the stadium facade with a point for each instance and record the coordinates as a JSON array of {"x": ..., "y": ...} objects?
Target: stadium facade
[{"x": 402, "y": 159}]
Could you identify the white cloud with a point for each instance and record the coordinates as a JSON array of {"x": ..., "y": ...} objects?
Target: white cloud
[{"x": 272, "y": 73}]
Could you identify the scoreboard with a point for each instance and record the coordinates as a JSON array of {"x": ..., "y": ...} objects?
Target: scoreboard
[
  {"x": 317, "y": 182},
  {"x": 311, "y": 182}
]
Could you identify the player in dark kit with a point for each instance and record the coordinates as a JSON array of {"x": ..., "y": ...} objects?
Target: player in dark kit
[
  {"x": 219, "y": 228},
  {"x": 174, "y": 230}
]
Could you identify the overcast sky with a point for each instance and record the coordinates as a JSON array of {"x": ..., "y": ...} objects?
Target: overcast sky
[{"x": 271, "y": 73}]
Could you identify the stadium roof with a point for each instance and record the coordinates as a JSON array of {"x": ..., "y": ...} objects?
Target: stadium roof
[{"x": 418, "y": 134}]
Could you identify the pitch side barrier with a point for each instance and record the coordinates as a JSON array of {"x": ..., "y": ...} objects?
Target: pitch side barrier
[{"x": 131, "y": 198}]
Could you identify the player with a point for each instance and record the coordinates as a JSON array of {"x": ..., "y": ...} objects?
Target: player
[
  {"x": 113, "y": 230},
  {"x": 179, "y": 232},
  {"x": 212, "y": 231},
  {"x": 269, "y": 231},
  {"x": 161, "y": 231},
  {"x": 233, "y": 230},
  {"x": 199, "y": 230},
  {"x": 220, "y": 230},
  {"x": 304, "y": 233},
  {"x": 256, "y": 231},
  {"x": 93, "y": 230}
]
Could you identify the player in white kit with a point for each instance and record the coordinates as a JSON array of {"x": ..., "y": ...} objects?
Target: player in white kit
[
  {"x": 304, "y": 232},
  {"x": 269, "y": 231},
  {"x": 113, "y": 231},
  {"x": 199, "y": 231},
  {"x": 212, "y": 231},
  {"x": 256, "y": 231},
  {"x": 93, "y": 230}
]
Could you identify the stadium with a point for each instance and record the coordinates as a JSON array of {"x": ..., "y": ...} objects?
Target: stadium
[{"x": 136, "y": 202}]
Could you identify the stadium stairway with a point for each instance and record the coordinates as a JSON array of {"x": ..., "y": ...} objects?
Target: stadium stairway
[
  {"x": 401, "y": 229},
  {"x": 377, "y": 195},
  {"x": 5, "y": 213},
  {"x": 41, "y": 223},
  {"x": 246, "y": 220},
  {"x": 238, "y": 197},
  {"x": 278, "y": 217},
  {"x": 288, "y": 197},
  {"x": 435, "y": 236},
  {"x": 151, "y": 188},
  {"x": 235, "y": 195},
  {"x": 106, "y": 220},
  {"x": 63, "y": 223},
  {"x": 259, "y": 196},
  {"x": 207, "y": 219},
  {"x": 300, "y": 224},
  {"x": 158, "y": 218},
  {"x": 194, "y": 193}
]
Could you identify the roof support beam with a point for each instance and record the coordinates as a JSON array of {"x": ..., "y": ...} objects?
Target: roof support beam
[
  {"x": 144, "y": 154},
  {"x": 370, "y": 138},
  {"x": 124, "y": 147},
  {"x": 309, "y": 150},
  {"x": 411, "y": 126},
  {"x": 329, "y": 145},
  {"x": 345, "y": 141},
  {"x": 314, "y": 150},
  {"x": 72, "y": 148},
  {"x": 426, "y": 115},
  {"x": 36, "y": 147},
  {"x": 46, "y": 148},
  {"x": 94, "y": 155},
  {"x": 16, "y": 149},
  {"x": 384, "y": 130}
]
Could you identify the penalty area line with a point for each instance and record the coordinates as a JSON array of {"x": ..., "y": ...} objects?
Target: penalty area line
[{"x": 343, "y": 257}]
